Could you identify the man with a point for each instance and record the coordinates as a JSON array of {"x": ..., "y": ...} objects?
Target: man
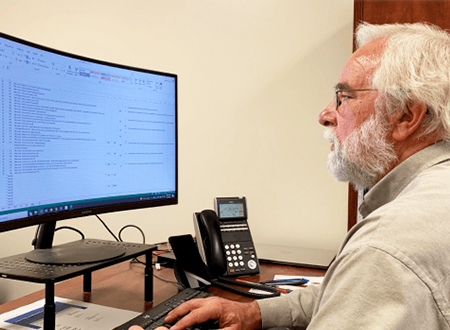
[{"x": 389, "y": 126}]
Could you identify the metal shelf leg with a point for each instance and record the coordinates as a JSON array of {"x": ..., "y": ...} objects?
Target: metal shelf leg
[{"x": 49, "y": 306}]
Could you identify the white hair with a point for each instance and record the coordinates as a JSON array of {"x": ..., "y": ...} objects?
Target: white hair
[{"x": 415, "y": 67}]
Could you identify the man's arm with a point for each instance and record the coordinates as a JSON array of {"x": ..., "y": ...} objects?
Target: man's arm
[
  {"x": 369, "y": 288},
  {"x": 292, "y": 310}
]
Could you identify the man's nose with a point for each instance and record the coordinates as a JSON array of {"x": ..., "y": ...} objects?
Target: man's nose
[{"x": 328, "y": 116}]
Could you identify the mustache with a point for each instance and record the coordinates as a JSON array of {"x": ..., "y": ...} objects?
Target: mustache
[{"x": 330, "y": 135}]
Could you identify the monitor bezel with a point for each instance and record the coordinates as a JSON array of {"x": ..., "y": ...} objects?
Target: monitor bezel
[{"x": 9, "y": 225}]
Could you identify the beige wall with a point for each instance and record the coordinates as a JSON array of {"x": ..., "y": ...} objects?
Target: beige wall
[{"x": 253, "y": 77}]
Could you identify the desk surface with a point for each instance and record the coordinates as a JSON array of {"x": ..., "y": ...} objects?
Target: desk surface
[{"x": 122, "y": 286}]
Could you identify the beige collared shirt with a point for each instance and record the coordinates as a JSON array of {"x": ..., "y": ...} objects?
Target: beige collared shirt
[{"x": 393, "y": 268}]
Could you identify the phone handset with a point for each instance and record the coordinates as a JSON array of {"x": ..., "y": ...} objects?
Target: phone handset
[{"x": 210, "y": 242}]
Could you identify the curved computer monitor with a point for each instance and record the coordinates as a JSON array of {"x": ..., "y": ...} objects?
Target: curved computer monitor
[{"x": 81, "y": 136}]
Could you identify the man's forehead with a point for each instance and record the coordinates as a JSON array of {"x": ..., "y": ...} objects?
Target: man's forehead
[
  {"x": 371, "y": 52},
  {"x": 360, "y": 67}
]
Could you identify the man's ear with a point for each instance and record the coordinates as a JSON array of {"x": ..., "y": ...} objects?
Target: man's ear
[{"x": 406, "y": 123}]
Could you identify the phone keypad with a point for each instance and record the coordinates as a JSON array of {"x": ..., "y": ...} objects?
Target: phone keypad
[{"x": 240, "y": 258}]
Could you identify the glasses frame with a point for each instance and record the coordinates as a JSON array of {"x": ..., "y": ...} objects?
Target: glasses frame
[{"x": 337, "y": 103}]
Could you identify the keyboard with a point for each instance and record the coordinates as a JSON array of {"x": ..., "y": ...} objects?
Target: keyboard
[{"x": 154, "y": 317}]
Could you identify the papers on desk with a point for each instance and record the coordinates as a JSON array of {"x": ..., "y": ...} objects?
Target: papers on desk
[
  {"x": 312, "y": 281},
  {"x": 70, "y": 315}
]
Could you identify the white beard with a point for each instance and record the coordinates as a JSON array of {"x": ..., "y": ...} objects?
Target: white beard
[{"x": 365, "y": 155}]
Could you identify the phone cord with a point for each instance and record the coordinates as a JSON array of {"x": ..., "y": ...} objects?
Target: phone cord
[{"x": 221, "y": 282}]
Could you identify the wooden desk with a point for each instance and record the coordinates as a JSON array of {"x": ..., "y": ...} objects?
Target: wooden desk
[{"x": 122, "y": 286}]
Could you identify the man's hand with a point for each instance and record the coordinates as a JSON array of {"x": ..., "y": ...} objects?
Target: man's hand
[{"x": 231, "y": 315}]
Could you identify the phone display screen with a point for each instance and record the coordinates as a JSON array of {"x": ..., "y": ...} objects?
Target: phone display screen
[{"x": 231, "y": 208}]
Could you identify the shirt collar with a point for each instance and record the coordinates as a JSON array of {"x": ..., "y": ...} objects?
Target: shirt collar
[{"x": 388, "y": 188}]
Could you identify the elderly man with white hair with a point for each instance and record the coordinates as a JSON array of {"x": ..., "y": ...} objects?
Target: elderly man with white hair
[{"x": 389, "y": 129}]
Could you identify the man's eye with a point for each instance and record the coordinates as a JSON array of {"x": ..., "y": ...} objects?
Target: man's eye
[{"x": 342, "y": 98}]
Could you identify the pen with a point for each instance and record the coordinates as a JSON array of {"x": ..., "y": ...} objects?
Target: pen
[{"x": 292, "y": 281}]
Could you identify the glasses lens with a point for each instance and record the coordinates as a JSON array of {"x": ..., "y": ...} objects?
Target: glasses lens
[{"x": 337, "y": 103}]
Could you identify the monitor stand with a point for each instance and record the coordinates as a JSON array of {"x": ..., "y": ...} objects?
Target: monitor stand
[
  {"x": 79, "y": 253},
  {"x": 20, "y": 268}
]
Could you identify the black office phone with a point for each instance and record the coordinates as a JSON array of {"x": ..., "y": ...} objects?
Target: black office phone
[
  {"x": 224, "y": 239},
  {"x": 191, "y": 272}
]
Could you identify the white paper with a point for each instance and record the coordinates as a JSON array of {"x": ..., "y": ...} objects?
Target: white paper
[
  {"x": 70, "y": 315},
  {"x": 312, "y": 281}
]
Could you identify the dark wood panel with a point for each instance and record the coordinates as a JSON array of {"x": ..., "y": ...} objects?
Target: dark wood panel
[
  {"x": 380, "y": 12},
  {"x": 398, "y": 11},
  {"x": 352, "y": 206}
]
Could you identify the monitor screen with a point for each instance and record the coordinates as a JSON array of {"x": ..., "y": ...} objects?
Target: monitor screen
[{"x": 81, "y": 136}]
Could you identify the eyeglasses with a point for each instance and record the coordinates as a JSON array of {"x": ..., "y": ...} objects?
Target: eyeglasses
[{"x": 338, "y": 102}]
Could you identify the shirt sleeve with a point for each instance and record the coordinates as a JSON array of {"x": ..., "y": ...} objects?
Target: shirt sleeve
[
  {"x": 366, "y": 288},
  {"x": 292, "y": 310}
]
